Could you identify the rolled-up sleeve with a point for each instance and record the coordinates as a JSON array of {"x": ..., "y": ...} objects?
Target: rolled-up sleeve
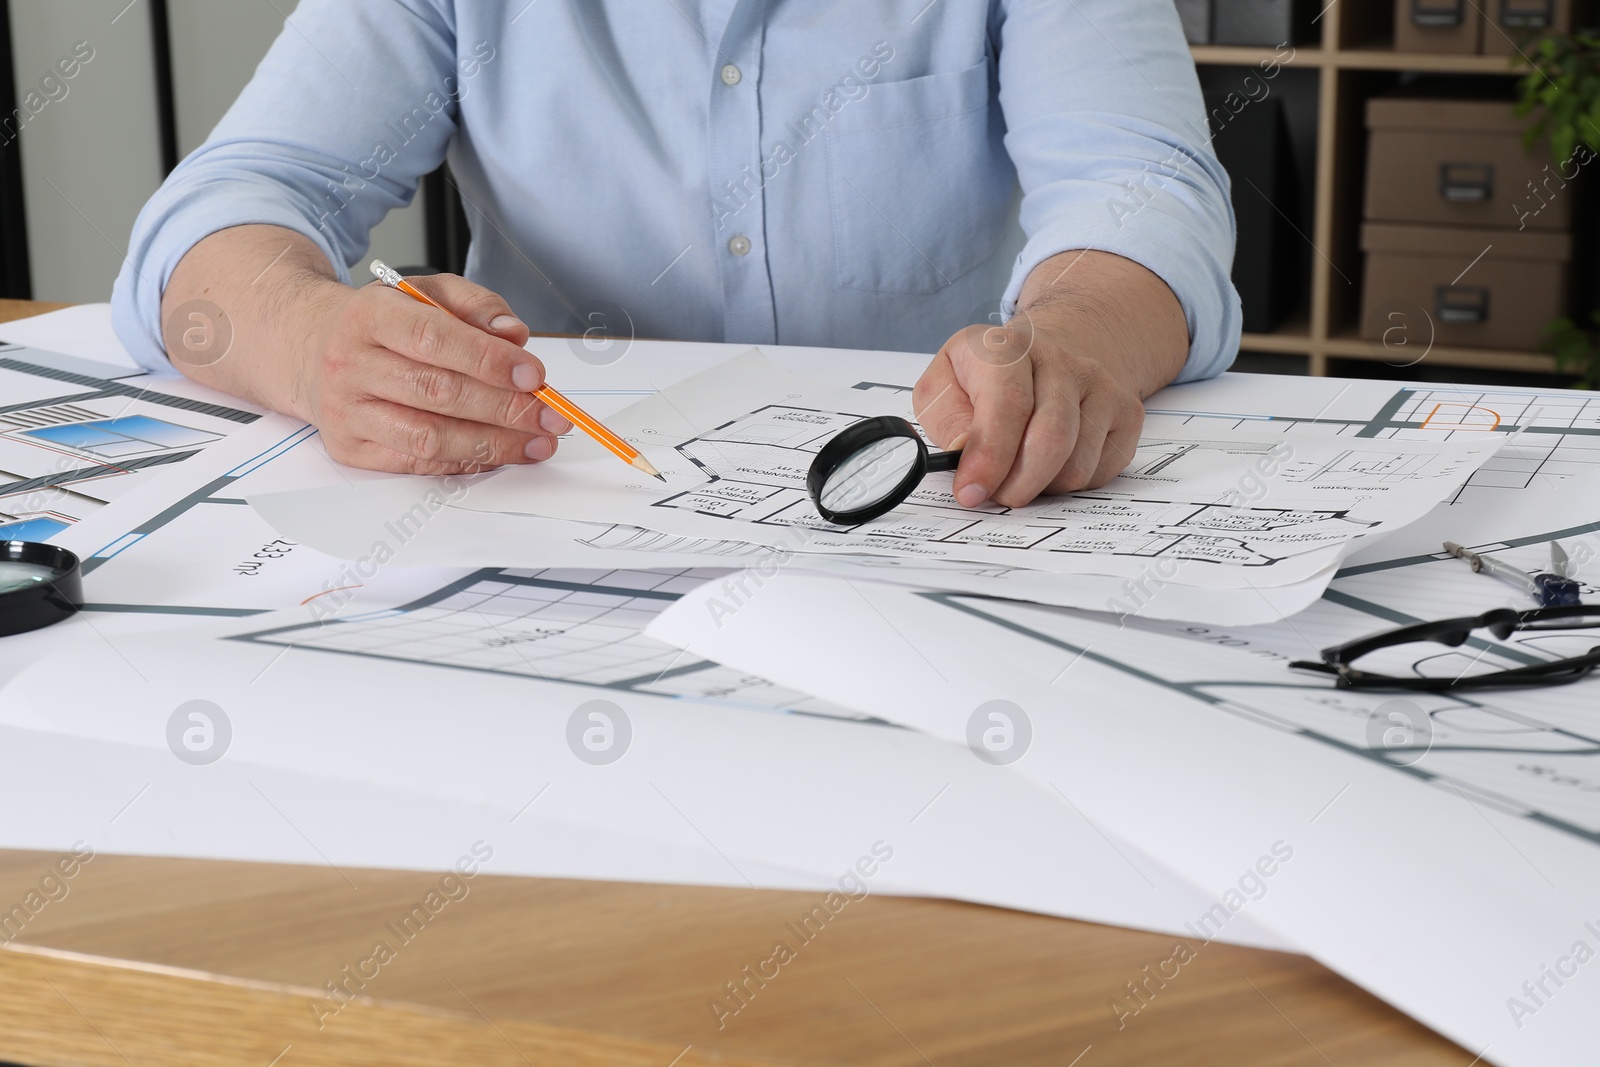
[
  {"x": 353, "y": 104},
  {"x": 1107, "y": 130}
]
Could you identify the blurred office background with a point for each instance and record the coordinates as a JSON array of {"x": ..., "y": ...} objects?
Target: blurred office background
[{"x": 1393, "y": 222}]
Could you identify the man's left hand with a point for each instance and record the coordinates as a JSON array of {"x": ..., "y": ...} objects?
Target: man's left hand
[{"x": 1052, "y": 401}]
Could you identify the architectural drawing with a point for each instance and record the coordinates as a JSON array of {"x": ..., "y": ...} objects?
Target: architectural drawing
[
  {"x": 76, "y": 435},
  {"x": 1533, "y": 752},
  {"x": 753, "y": 471},
  {"x": 577, "y": 626},
  {"x": 1553, "y": 434}
]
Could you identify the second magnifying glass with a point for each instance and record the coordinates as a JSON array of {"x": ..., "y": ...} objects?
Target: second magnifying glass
[{"x": 870, "y": 468}]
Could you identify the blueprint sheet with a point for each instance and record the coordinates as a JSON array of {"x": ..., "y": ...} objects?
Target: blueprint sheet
[
  {"x": 77, "y": 434},
  {"x": 1441, "y": 871},
  {"x": 1466, "y": 805},
  {"x": 1551, "y": 435},
  {"x": 131, "y": 799},
  {"x": 346, "y": 522},
  {"x": 468, "y": 692},
  {"x": 1550, "y": 439},
  {"x": 735, "y": 444},
  {"x": 186, "y": 543}
]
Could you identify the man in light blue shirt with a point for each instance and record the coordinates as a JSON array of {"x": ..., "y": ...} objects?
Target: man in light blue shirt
[{"x": 808, "y": 172}]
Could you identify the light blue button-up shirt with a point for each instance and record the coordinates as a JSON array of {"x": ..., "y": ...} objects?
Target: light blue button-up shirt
[{"x": 809, "y": 172}]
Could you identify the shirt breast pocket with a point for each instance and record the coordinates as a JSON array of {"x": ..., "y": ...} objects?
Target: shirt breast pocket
[{"x": 918, "y": 182}]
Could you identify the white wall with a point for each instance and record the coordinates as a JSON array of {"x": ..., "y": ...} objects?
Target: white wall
[
  {"x": 92, "y": 158},
  {"x": 216, "y": 45}
]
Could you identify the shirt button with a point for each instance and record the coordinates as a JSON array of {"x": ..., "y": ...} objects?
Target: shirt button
[
  {"x": 739, "y": 245},
  {"x": 731, "y": 75}
]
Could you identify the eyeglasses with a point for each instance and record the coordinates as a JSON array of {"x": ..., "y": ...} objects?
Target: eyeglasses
[{"x": 1501, "y": 622}]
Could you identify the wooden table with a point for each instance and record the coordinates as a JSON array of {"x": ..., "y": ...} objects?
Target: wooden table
[{"x": 189, "y": 962}]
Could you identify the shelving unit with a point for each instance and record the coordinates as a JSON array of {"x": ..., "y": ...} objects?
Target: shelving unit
[{"x": 1355, "y": 49}]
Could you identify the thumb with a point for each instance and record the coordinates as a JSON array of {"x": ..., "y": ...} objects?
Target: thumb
[{"x": 471, "y": 302}]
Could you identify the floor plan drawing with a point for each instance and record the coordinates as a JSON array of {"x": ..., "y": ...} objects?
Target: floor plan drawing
[
  {"x": 1367, "y": 462},
  {"x": 1534, "y": 752},
  {"x": 576, "y": 626},
  {"x": 1553, "y": 434},
  {"x": 77, "y": 435},
  {"x": 197, "y": 548},
  {"x": 134, "y": 435},
  {"x": 754, "y": 469},
  {"x": 735, "y": 445},
  {"x": 1538, "y": 758}
]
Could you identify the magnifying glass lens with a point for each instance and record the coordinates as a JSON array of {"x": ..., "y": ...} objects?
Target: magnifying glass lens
[
  {"x": 870, "y": 468},
  {"x": 870, "y": 475},
  {"x": 15, "y": 575}
]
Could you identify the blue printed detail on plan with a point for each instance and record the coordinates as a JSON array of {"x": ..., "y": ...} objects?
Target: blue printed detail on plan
[
  {"x": 76, "y": 434},
  {"x": 31, "y": 530},
  {"x": 130, "y": 436}
]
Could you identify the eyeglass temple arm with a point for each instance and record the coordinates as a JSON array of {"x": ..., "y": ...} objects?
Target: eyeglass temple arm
[{"x": 1450, "y": 632}]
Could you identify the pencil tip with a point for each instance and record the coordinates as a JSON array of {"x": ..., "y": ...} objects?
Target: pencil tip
[
  {"x": 662, "y": 478},
  {"x": 644, "y": 466}
]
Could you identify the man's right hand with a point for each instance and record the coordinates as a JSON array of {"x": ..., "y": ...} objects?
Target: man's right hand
[
  {"x": 391, "y": 383},
  {"x": 397, "y": 385}
]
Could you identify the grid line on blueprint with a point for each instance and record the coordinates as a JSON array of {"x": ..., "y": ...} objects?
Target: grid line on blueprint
[
  {"x": 1556, "y": 434},
  {"x": 573, "y": 626}
]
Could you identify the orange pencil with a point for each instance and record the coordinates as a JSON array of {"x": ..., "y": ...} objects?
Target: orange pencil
[{"x": 572, "y": 412}]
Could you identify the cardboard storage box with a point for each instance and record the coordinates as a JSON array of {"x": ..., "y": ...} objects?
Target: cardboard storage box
[
  {"x": 1196, "y": 16},
  {"x": 1263, "y": 22},
  {"x": 1437, "y": 26},
  {"x": 1460, "y": 163},
  {"x": 1513, "y": 24},
  {"x": 1475, "y": 288}
]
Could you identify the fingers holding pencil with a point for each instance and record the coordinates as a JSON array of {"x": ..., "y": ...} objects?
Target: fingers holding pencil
[
  {"x": 485, "y": 356},
  {"x": 400, "y": 387},
  {"x": 454, "y": 342},
  {"x": 473, "y": 305}
]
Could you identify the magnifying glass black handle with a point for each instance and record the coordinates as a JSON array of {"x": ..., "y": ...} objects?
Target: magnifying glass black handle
[{"x": 944, "y": 461}]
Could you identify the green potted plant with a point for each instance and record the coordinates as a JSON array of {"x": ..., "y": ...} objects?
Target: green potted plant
[
  {"x": 1562, "y": 91},
  {"x": 1577, "y": 350}
]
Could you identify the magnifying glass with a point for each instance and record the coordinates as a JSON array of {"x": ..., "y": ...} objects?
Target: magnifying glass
[
  {"x": 870, "y": 468},
  {"x": 39, "y": 585}
]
